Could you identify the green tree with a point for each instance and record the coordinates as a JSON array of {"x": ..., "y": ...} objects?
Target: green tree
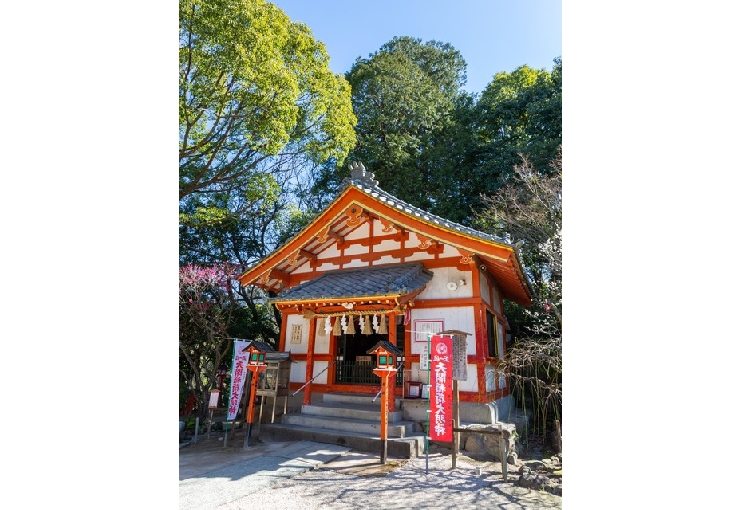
[
  {"x": 259, "y": 108},
  {"x": 519, "y": 113},
  {"x": 259, "y": 105},
  {"x": 408, "y": 99},
  {"x": 253, "y": 87}
]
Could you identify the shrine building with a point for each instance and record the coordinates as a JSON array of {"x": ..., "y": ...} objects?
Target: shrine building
[{"x": 372, "y": 268}]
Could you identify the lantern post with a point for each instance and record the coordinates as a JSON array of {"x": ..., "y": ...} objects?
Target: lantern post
[
  {"x": 255, "y": 364},
  {"x": 386, "y": 367}
]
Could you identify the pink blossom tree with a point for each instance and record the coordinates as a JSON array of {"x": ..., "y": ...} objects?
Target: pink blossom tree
[{"x": 206, "y": 305}]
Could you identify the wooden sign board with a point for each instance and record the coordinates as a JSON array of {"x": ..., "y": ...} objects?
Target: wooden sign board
[
  {"x": 424, "y": 328},
  {"x": 459, "y": 371},
  {"x": 424, "y": 358},
  {"x": 214, "y": 399}
]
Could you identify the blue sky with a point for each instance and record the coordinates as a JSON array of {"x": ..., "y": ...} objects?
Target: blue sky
[{"x": 492, "y": 35}]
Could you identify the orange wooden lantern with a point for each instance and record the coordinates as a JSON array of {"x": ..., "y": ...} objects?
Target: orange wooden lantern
[
  {"x": 255, "y": 364},
  {"x": 386, "y": 366}
]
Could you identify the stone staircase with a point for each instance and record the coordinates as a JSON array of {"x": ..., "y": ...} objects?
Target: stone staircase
[{"x": 348, "y": 420}]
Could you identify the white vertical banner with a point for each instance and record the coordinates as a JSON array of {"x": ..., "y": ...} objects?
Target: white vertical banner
[
  {"x": 424, "y": 358},
  {"x": 239, "y": 374}
]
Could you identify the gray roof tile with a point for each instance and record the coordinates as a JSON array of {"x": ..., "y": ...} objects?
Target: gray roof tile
[{"x": 361, "y": 282}]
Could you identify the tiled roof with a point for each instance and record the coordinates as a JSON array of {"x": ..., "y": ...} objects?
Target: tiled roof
[
  {"x": 397, "y": 279},
  {"x": 365, "y": 182}
]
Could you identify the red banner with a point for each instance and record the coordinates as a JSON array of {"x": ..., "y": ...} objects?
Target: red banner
[
  {"x": 441, "y": 388},
  {"x": 239, "y": 374}
]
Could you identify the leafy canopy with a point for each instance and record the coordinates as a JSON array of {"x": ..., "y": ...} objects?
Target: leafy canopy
[
  {"x": 405, "y": 95},
  {"x": 253, "y": 85}
]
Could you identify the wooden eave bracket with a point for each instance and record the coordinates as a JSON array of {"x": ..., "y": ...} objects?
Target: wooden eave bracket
[
  {"x": 283, "y": 276},
  {"x": 310, "y": 256},
  {"x": 410, "y": 298},
  {"x": 301, "y": 252},
  {"x": 326, "y": 232},
  {"x": 467, "y": 257},
  {"x": 425, "y": 242},
  {"x": 355, "y": 215},
  {"x": 388, "y": 226}
]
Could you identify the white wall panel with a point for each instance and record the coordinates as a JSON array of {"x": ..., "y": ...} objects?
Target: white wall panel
[
  {"x": 437, "y": 288},
  {"x": 386, "y": 259},
  {"x": 360, "y": 233},
  {"x": 459, "y": 317},
  {"x": 319, "y": 366},
  {"x": 356, "y": 249},
  {"x": 469, "y": 385},
  {"x": 298, "y": 372},
  {"x": 291, "y": 321},
  {"x": 326, "y": 266},
  {"x": 386, "y": 245}
]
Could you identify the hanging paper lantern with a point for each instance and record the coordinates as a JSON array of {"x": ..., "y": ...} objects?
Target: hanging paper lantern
[
  {"x": 382, "y": 326},
  {"x": 351, "y": 329},
  {"x": 336, "y": 329},
  {"x": 366, "y": 330}
]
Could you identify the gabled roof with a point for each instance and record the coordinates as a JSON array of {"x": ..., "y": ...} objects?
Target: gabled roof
[
  {"x": 388, "y": 346},
  {"x": 362, "y": 198},
  {"x": 261, "y": 346},
  {"x": 371, "y": 282}
]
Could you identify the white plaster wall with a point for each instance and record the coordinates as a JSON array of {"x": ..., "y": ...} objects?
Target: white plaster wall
[
  {"x": 304, "y": 268},
  {"x": 459, "y": 317},
  {"x": 450, "y": 251},
  {"x": 471, "y": 379},
  {"x": 437, "y": 287},
  {"x": 319, "y": 366},
  {"x": 418, "y": 255},
  {"x": 356, "y": 249},
  {"x": 386, "y": 245},
  {"x": 321, "y": 339},
  {"x": 329, "y": 252},
  {"x": 326, "y": 266},
  {"x": 298, "y": 371},
  {"x": 291, "y": 320},
  {"x": 469, "y": 385},
  {"x": 355, "y": 263},
  {"x": 386, "y": 259},
  {"x": 360, "y": 233}
]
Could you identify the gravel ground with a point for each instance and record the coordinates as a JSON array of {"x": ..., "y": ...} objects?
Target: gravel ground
[{"x": 404, "y": 484}]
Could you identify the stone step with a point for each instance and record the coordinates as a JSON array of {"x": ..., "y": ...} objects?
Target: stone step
[
  {"x": 406, "y": 448},
  {"x": 369, "y": 427},
  {"x": 353, "y": 411},
  {"x": 352, "y": 398}
]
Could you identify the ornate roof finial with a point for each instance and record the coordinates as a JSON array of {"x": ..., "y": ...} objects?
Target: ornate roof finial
[{"x": 358, "y": 174}]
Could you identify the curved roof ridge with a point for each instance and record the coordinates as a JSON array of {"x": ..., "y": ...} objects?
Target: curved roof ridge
[{"x": 366, "y": 182}]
